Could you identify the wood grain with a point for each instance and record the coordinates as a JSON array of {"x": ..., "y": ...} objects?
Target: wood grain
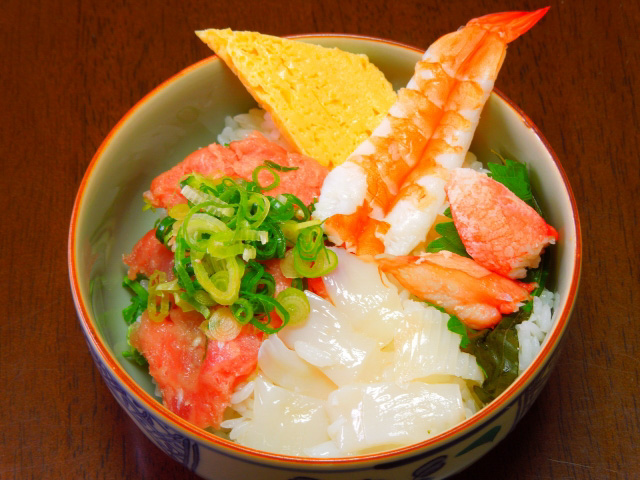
[{"x": 71, "y": 69}]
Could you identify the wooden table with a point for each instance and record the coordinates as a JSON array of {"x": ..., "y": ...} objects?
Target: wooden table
[{"x": 70, "y": 70}]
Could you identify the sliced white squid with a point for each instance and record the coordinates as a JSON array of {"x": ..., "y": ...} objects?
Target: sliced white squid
[
  {"x": 375, "y": 417},
  {"x": 283, "y": 422},
  {"x": 371, "y": 306},
  {"x": 327, "y": 341},
  {"x": 286, "y": 369},
  {"x": 424, "y": 346}
]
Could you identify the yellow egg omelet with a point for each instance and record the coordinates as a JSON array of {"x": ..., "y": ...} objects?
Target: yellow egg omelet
[{"x": 324, "y": 101}]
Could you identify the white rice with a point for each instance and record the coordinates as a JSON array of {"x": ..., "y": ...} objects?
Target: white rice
[
  {"x": 239, "y": 127},
  {"x": 471, "y": 161},
  {"x": 532, "y": 332}
]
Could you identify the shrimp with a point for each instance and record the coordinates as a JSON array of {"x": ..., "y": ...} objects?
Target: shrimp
[
  {"x": 386, "y": 195},
  {"x": 463, "y": 288}
]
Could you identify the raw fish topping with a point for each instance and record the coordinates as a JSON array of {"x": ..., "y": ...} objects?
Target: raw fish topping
[
  {"x": 196, "y": 377},
  {"x": 240, "y": 159}
]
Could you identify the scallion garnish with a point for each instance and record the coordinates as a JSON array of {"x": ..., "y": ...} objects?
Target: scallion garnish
[
  {"x": 278, "y": 167},
  {"x": 158, "y": 299},
  {"x": 219, "y": 238},
  {"x": 295, "y": 302}
]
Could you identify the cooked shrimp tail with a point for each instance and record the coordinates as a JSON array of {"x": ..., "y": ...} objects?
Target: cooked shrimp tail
[{"x": 509, "y": 24}]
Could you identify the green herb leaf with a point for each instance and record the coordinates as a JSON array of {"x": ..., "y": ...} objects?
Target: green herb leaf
[
  {"x": 138, "y": 300},
  {"x": 131, "y": 313},
  {"x": 515, "y": 176},
  {"x": 135, "y": 356},
  {"x": 450, "y": 240},
  {"x": 456, "y": 326}
]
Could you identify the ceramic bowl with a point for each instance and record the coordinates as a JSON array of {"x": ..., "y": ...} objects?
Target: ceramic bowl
[{"x": 187, "y": 112}]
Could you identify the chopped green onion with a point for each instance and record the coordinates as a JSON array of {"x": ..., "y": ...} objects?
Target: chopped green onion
[
  {"x": 278, "y": 167},
  {"x": 302, "y": 213},
  {"x": 291, "y": 229},
  {"x": 270, "y": 186},
  {"x": 259, "y": 205},
  {"x": 203, "y": 298},
  {"x": 134, "y": 285},
  {"x": 135, "y": 356},
  {"x": 163, "y": 229},
  {"x": 242, "y": 310},
  {"x": 193, "y": 304},
  {"x": 179, "y": 211},
  {"x": 276, "y": 244},
  {"x": 295, "y": 302},
  {"x": 299, "y": 283},
  {"x": 226, "y": 224},
  {"x": 157, "y": 313},
  {"x": 287, "y": 267},
  {"x": 310, "y": 242},
  {"x": 268, "y": 305},
  {"x": 179, "y": 265},
  {"x": 227, "y": 294},
  {"x": 138, "y": 300},
  {"x": 322, "y": 265},
  {"x": 221, "y": 326}
]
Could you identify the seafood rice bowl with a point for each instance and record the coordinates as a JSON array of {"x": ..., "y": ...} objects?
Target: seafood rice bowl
[{"x": 335, "y": 314}]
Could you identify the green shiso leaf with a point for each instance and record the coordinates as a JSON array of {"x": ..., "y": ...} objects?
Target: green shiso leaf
[
  {"x": 456, "y": 326},
  {"x": 515, "y": 176},
  {"x": 450, "y": 240},
  {"x": 496, "y": 350}
]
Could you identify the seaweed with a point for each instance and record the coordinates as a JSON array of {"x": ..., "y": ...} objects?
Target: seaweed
[{"x": 496, "y": 350}]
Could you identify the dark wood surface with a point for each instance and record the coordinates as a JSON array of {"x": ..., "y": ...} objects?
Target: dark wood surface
[{"x": 69, "y": 70}]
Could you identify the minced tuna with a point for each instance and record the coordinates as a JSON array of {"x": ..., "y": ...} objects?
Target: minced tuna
[{"x": 240, "y": 159}]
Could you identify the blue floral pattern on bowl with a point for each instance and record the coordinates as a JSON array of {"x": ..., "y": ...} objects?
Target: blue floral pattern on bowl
[{"x": 168, "y": 439}]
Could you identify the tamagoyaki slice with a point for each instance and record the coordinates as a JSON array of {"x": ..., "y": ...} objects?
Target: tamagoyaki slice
[{"x": 324, "y": 101}]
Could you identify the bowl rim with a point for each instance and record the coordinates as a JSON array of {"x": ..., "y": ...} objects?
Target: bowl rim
[{"x": 215, "y": 442}]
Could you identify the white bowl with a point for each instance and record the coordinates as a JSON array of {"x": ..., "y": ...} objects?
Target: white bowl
[{"x": 186, "y": 112}]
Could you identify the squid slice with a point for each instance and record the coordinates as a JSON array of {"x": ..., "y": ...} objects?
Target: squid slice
[
  {"x": 358, "y": 291},
  {"x": 283, "y": 421},
  {"x": 286, "y": 369},
  {"x": 424, "y": 347},
  {"x": 379, "y": 416},
  {"x": 327, "y": 341}
]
